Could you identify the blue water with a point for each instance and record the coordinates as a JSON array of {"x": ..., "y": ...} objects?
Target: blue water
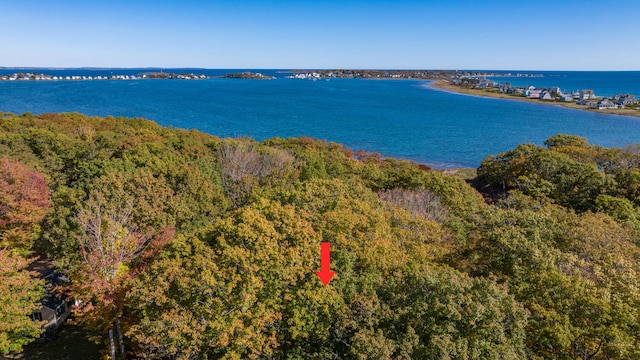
[
  {"x": 405, "y": 119},
  {"x": 604, "y": 83}
]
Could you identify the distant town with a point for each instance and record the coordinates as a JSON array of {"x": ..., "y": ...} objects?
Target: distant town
[{"x": 145, "y": 75}]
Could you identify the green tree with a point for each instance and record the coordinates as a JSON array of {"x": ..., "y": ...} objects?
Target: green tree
[
  {"x": 261, "y": 258},
  {"x": 19, "y": 294},
  {"x": 548, "y": 172},
  {"x": 555, "y": 264},
  {"x": 564, "y": 140}
]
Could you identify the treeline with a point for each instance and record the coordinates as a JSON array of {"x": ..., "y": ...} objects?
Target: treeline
[{"x": 193, "y": 247}]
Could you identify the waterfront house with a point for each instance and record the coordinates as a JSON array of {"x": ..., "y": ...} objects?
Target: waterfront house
[
  {"x": 527, "y": 90},
  {"x": 606, "y": 104},
  {"x": 588, "y": 103},
  {"x": 483, "y": 83},
  {"x": 504, "y": 87},
  {"x": 535, "y": 94},
  {"x": 587, "y": 94},
  {"x": 624, "y": 99},
  {"x": 513, "y": 91},
  {"x": 545, "y": 95}
]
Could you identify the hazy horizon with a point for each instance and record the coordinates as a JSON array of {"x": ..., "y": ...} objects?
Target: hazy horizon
[{"x": 291, "y": 69}]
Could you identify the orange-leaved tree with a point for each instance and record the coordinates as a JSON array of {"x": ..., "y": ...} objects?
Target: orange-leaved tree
[{"x": 24, "y": 200}]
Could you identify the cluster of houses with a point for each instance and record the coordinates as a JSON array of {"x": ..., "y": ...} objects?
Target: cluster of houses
[
  {"x": 585, "y": 97},
  {"x": 165, "y": 75},
  {"x": 369, "y": 74},
  {"x": 46, "y": 77},
  {"x": 308, "y": 75}
]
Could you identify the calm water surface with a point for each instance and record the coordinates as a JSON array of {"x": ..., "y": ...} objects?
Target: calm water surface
[{"x": 405, "y": 119}]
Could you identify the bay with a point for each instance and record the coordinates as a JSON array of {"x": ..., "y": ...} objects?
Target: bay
[{"x": 404, "y": 118}]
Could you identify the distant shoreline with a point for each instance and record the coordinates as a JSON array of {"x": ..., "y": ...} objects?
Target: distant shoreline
[{"x": 443, "y": 85}]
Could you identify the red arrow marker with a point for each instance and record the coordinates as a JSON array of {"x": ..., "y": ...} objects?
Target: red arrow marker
[{"x": 325, "y": 274}]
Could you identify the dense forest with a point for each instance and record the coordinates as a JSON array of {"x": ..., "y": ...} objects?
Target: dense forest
[{"x": 189, "y": 246}]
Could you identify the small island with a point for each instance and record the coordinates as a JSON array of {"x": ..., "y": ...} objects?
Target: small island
[
  {"x": 165, "y": 75},
  {"x": 247, "y": 75}
]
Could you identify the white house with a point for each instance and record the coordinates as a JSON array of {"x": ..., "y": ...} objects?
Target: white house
[
  {"x": 606, "y": 104},
  {"x": 54, "y": 311},
  {"x": 587, "y": 94}
]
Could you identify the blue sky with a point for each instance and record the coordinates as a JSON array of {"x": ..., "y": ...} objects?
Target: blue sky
[{"x": 454, "y": 34}]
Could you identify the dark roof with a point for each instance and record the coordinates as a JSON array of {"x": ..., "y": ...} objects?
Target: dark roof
[
  {"x": 51, "y": 302},
  {"x": 56, "y": 278}
]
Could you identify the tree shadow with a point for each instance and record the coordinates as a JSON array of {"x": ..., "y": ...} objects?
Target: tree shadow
[{"x": 70, "y": 343}]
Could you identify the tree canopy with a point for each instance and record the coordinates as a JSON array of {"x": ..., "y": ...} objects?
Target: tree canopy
[{"x": 197, "y": 247}]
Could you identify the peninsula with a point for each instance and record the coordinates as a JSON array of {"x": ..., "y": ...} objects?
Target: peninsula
[
  {"x": 477, "y": 83},
  {"x": 620, "y": 104}
]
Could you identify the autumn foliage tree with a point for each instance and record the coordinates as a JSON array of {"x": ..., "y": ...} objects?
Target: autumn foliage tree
[
  {"x": 19, "y": 295},
  {"x": 243, "y": 166},
  {"x": 420, "y": 203},
  {"x": 109, "y": 241},
  {"x": 24, "y": 200},
  {"x": 253, "y": 292}
]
